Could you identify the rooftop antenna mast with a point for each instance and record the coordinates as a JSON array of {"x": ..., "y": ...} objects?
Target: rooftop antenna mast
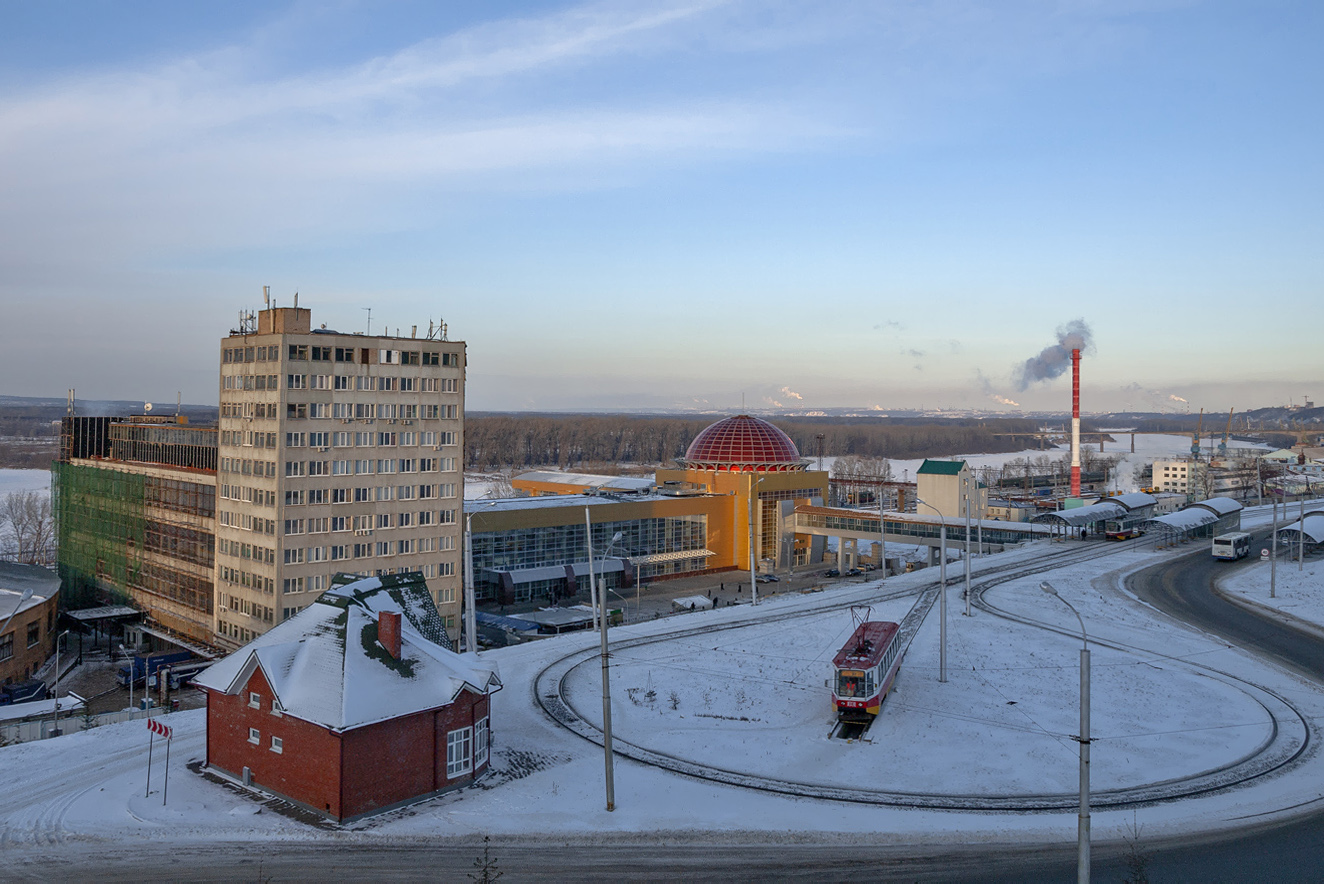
[
  {"x": 266, "y": 296},
  {"x": 369, "y": 309}
]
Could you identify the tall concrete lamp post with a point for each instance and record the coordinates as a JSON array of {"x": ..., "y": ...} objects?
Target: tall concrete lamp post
[
  {"x": 1083, "y": 820},
  {"x": 942, "y": 590},
  {"x": 606, "y": 689}
]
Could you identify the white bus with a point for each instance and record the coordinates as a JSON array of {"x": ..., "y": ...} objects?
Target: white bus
[{"x": 1232, "y": 546}]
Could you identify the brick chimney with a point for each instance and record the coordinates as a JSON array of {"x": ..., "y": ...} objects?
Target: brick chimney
[{"x": 388, "y": 632}]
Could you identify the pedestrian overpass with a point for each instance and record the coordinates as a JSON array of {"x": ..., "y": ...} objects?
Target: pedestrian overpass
[{"x": 851, "y": 526}]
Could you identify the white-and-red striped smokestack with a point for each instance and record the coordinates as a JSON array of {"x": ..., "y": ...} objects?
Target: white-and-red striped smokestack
[{"x": 1075, "y": 423}]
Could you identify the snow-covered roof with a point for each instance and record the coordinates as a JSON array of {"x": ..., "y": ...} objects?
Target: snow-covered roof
[
  {"x": 1085, "y": 515},
  {"x": 1312, "y": 526},
  {"x": 1135, "y": 500},
  {"x": 1187, "y": 519},
  {"x": 325, "y": 665},
  {"x": 588, "y": 480},
  {"x": 1223, "y": 506},
  {"x": 15, "y": 579}
]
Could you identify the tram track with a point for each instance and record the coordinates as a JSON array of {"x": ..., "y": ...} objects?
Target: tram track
[{"x": 1288, "y": 742}]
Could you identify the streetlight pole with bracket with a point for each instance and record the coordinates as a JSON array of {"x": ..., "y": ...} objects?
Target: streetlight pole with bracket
[
  {"x": 1083, "y": 819},
  {"x": 606, "y": 678},
  {"x": 942, "y": 590}
]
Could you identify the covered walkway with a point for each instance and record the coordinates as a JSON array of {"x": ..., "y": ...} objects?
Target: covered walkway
[{"x": 1208, "y": 518}]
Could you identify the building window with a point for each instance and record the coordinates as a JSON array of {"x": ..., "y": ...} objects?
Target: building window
[
  {"x": 254, "y": 702},
  {"x": 277, "y": 745},
  {"x": 480, "y": 743},
  {"x": 6, "y": 646},
  {"x": 459, "y": 752},
  {"x": 34, "y": 632},
  {"x": 276, "y": 709},
  {"x": 254, "y": 736}
]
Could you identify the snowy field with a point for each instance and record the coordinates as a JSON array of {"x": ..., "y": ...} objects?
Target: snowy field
[
  {"x": 24, "y": 480},
  {"x": 747, "y": 694}
]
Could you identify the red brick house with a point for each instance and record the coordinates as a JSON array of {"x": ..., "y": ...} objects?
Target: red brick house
[{"x": 355, "y": 705}]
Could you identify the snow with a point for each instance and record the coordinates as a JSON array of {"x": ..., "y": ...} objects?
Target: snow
[
  {"x": 24, "y": 480},
  {"x": 741, "y": 688},
  {"x": 1298, "y": 588}
]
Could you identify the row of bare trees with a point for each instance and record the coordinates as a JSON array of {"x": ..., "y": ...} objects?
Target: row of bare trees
[
  {"x": 493, "y": 442},
  {"x": 27, "y": 528}
]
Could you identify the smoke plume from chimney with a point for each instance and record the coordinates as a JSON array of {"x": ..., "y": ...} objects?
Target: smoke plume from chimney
[{"x": 1054, "y": 360}]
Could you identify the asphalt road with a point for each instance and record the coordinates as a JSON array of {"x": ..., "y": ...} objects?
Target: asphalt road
[{"x": 1184, "y": 589}]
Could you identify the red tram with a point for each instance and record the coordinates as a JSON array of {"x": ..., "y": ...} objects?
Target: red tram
[{"x": 864, "y": 670}]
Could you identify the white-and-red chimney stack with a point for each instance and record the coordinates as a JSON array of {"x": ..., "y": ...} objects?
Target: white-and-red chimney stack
[{"x": 1075, "y": 423}]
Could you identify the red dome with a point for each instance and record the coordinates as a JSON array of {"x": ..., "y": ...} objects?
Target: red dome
[{"x": 744, "y": 444}]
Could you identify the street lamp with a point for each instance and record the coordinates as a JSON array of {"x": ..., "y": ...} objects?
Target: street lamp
[
  {"x": 1083, "y": 820},
  {"x": 606, "y": 690},
  {"x": 966, "y": 556},
  {"x": 27, "y": 594},
  {"x": 882, "y": 537},
  {"x": 55, "y": 715},
  {"x": 753, "y": 582},
  {"x": 942, "y": 592},
  {"x": 132, "y": 673},
  {"x": 470, "y": 603}
]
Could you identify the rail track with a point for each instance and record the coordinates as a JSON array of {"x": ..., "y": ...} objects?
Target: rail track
[{"x": 1288, "y": 742}]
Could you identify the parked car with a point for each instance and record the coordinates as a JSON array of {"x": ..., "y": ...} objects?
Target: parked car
[
  {"x": 767, "y": 578},
  {"x": 831, "y": 572},
  {"x": 854, "y": 572}
]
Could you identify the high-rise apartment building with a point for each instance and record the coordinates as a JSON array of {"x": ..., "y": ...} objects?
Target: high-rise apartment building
[{"x": 338, "y": 453}]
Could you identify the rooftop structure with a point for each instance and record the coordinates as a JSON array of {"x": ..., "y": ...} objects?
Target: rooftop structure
[{"x": 743, "y": 444}]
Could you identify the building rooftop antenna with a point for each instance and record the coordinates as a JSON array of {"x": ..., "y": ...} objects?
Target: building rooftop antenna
[{"x": 369, "y": 309}]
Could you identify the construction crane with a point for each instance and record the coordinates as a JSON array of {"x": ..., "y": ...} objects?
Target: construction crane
[{"x": 1222, "y": 446}]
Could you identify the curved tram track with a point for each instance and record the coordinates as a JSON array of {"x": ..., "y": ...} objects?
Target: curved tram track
[{"x": 1288, "y": 742}]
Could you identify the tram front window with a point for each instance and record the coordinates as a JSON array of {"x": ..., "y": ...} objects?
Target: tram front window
[{"x": 850, "y": 684}]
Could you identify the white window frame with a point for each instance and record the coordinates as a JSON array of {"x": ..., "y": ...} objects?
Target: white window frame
[
  {"x": 459, "y": 752},
  {"x": 254, "y": 700},
  {"x": 254, "y": 736},
  {"x": 277, "y": 745}
]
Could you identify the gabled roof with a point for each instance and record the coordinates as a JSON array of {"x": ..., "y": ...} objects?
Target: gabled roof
[
  {"x": 941, "y": 467},
  {"x": 326, "y": 666}
]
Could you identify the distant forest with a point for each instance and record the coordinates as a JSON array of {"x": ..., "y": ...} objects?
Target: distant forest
[{"x": 599, "y": 441}]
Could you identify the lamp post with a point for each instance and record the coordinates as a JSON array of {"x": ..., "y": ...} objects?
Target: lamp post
[
  {"x": 470, "y": 602},
  {"x": 606, "y": 690},
  {"x": 131, "y": 674},
  {"x": 753, "y": 582},
  {"x": 55, "y": 715},
  {"x": 966, "y": 556},
  {"x": 1273, "y": 556},
  {"x": 942, "y": 591},
  {"x": 1083, "y": 820},
  {"x": 882, "y": 537}
]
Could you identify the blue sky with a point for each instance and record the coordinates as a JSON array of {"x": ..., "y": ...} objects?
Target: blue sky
[{"x": 642, "y": 205}]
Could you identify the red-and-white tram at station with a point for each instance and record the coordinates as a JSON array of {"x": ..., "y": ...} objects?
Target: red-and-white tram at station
[{"x": 864, "y": 670}]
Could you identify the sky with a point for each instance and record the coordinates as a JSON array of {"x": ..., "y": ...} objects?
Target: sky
[{"x": 668, "y": 205}]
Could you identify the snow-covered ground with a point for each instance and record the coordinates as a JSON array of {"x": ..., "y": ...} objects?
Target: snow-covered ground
[
  {"x": 748, "y": 696},
  {"x": 1298, "y": 587},
  {"x": 24, "y": 480}
]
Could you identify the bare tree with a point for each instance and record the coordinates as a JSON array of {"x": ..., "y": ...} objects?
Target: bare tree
[{"x": 27, "y": 528}]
